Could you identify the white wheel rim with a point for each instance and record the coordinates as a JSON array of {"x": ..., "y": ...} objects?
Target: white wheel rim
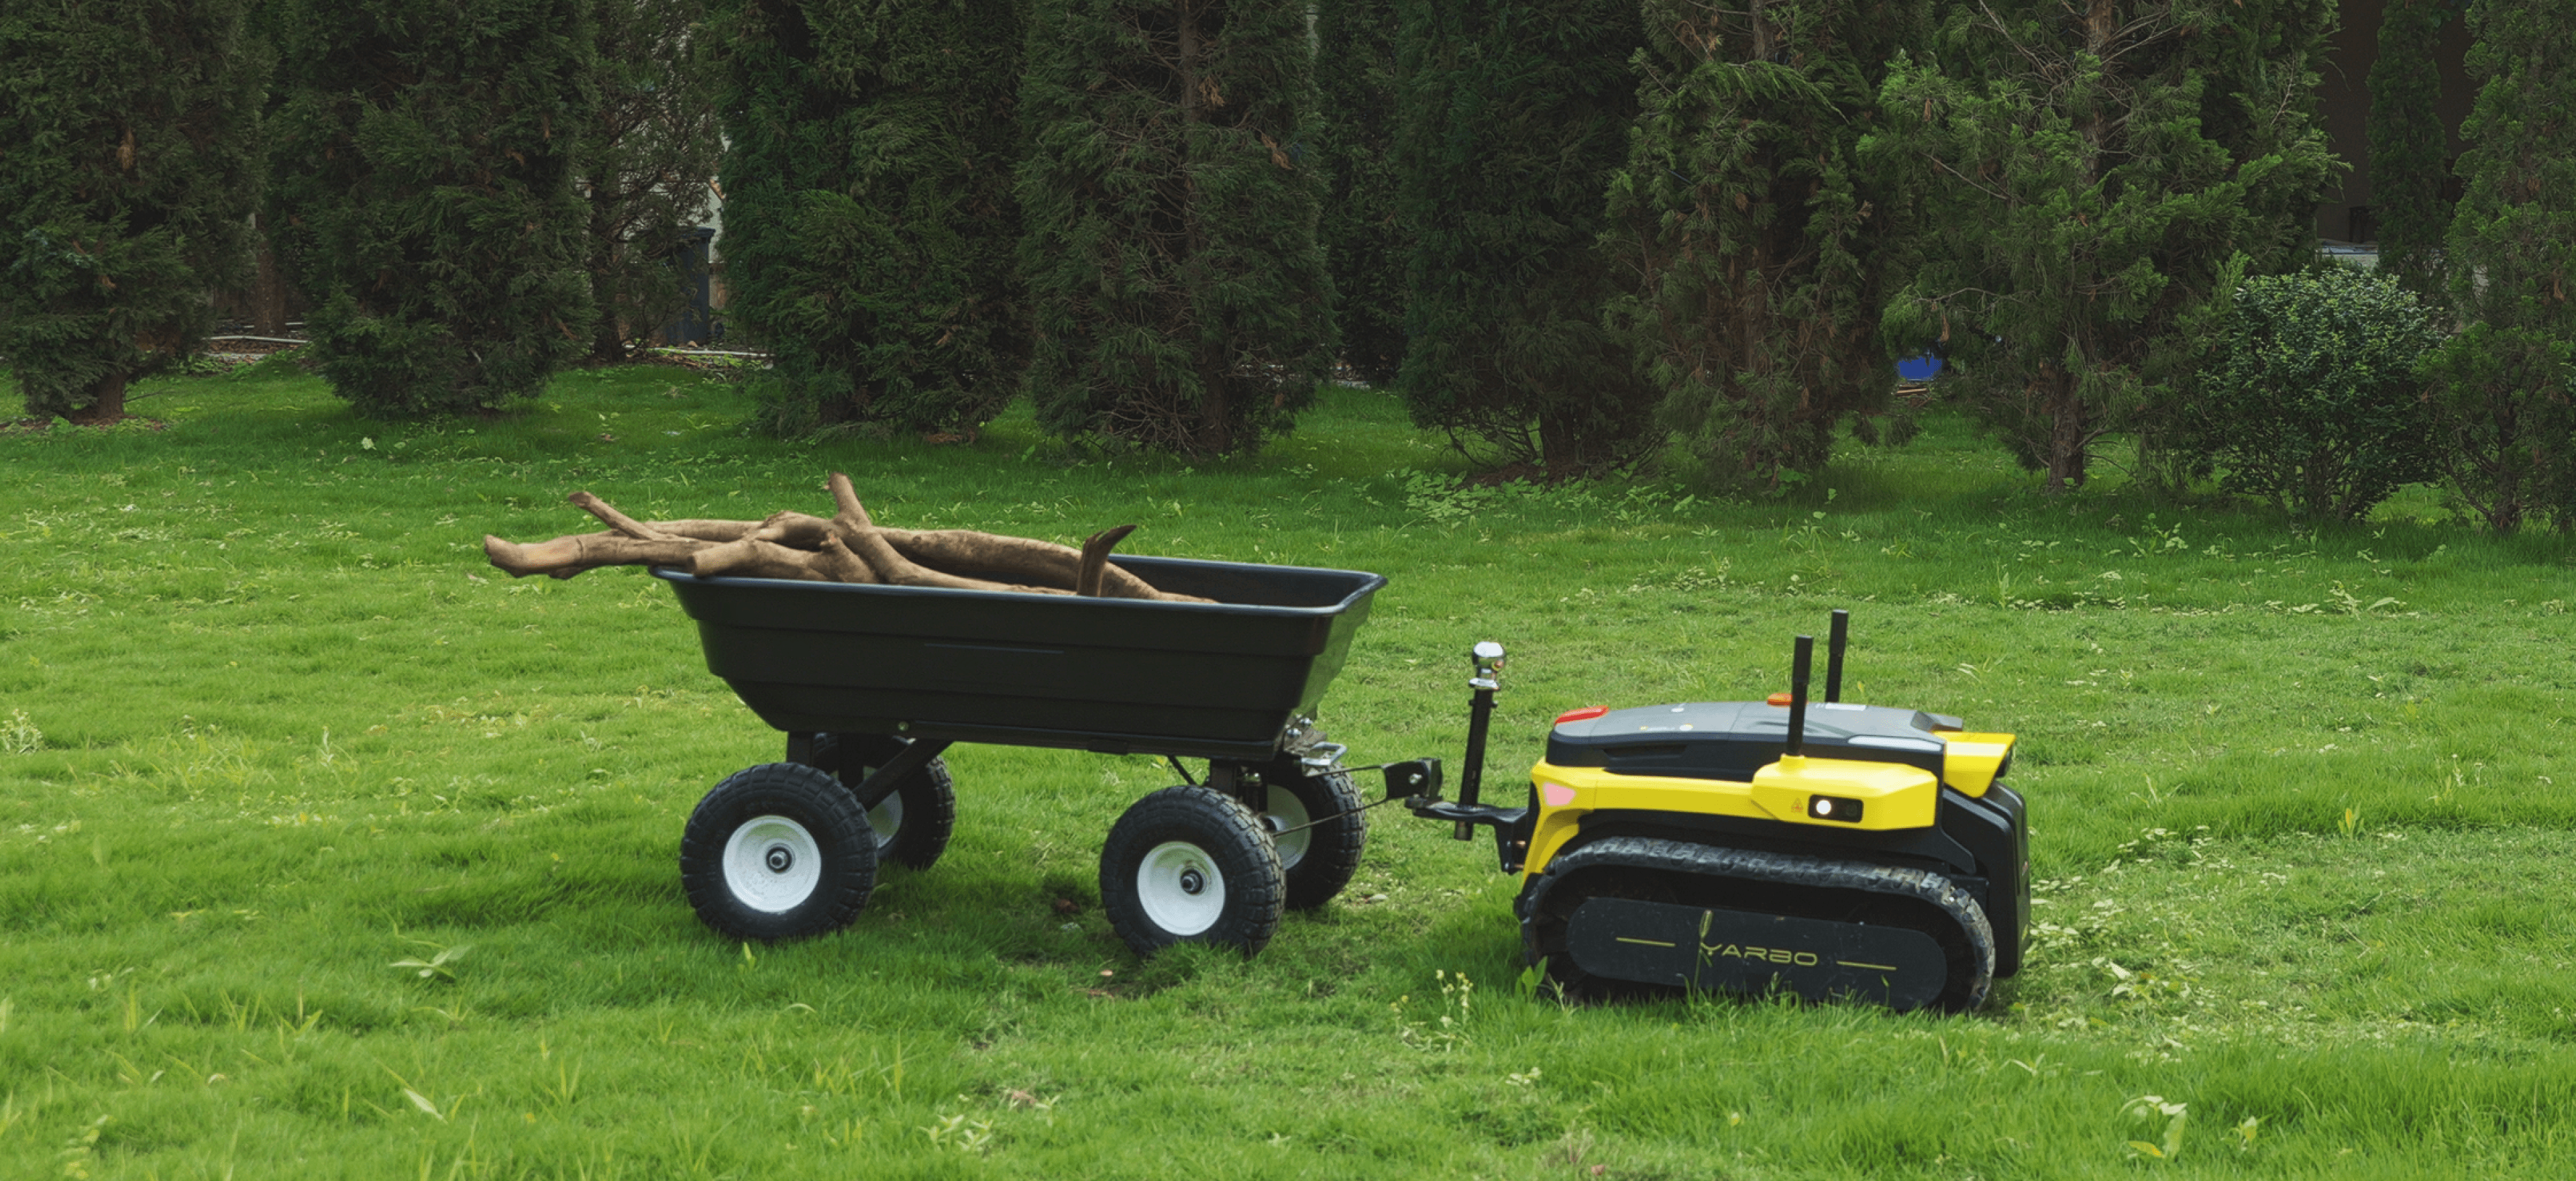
[
  {"x": 1180, "y": 888},
  {"x": 772, "y": 864},
  {"x": 886, "y": 819},
  {"x": 1282, "y": 811}
]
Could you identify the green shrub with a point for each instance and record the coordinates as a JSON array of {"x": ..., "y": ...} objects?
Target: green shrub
[
  {"x": 869, "y": 223},
  {"x": 421, "y": 194},
  {"x": 2308, "y": 396},
  {"x": 128, "y": 170}
]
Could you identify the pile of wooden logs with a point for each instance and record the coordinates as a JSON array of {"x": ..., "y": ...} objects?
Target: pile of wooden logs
[{"x": 847, "y": 547}]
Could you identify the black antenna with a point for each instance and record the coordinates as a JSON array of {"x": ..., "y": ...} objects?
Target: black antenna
[
  {"x": 1798, "y": 696},
  {"x": 1834, "y": 642}
]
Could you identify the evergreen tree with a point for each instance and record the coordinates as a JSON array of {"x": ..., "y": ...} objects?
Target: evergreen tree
[
  {"x": 2097, "y": 170},
  {"x": 2506, "y": 384},
  {"x": 128, "y": 170},
  {"x": 1182, "y": 300},
  {"x": 2409, "y": 147},
  {"x": 645, "y": 164},
  {"x": 869, "y": 223},
  {"x": 1357, "y": 84},
  {"x": 1515, "y": 114},
  {"x": 1763, "y": 245},
  {"x": 421, "y": 195}
]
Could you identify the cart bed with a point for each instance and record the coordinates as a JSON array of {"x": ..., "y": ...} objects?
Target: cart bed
[{"x": 1222, "y": 680}]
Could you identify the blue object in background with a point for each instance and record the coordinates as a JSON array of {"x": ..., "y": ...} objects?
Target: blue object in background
[{"x": 1919, "y": 367}]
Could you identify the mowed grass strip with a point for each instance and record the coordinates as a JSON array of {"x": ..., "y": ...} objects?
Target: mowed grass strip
[{"x": 327, "y": 850}]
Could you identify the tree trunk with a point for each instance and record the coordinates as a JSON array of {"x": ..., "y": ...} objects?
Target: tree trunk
[
  {"x": 609, "y": 344},
  {"x": 109, "y": 404},
  {"x": 2066, "y": 453}
]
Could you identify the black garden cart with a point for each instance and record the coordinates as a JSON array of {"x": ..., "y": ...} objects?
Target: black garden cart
[{"x": 872, "y": 683}]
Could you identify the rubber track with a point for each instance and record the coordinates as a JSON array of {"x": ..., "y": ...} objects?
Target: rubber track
[{"x": 1687, "y": 857}]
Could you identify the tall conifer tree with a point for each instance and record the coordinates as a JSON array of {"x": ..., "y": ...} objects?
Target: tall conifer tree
[
  {"x": 2409, "y": 147},
  {"x": 1356, "y": 78},
  {"x": 1182, "y": 300},
  {"x": 2507, "y": 385},
  {"x": 1762, "y": 244},
  {"x": 128, "y": 171},
  {"x": 421, "y": 195},
  {"x": 868, "y": 217},
  {"x": 1515, "y": 114},
  {"x": 2098, "y": 169},
  {"x": 646, "y": 161}
]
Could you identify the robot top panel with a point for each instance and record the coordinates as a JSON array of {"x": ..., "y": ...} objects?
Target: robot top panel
[{"x": 1732, "y": 739}]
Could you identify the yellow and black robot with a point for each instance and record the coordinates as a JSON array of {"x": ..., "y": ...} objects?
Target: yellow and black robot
[{"x": 1825, "y": 849}]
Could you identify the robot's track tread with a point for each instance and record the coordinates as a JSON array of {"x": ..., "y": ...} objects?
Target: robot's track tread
[{"x": 1687, "y": 857}]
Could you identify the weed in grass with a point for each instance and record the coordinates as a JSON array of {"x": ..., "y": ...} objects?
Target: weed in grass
[
  {"x": 19, "y": 735},
  {"x": 1447, "y": 1029},
  {"x": 80, "y": 1150},
  {"x": 2151, "y": 1108},
  {"x": 973, "y": 1137},
  {"x": 436, "y": 966}
]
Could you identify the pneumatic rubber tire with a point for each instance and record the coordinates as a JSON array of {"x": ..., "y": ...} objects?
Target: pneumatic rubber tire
[
  {"x": 1316, "y": 862},
  {"x": 779, "y": 851},
  {"x": 912, "y": 825},
  {"x": 1190, "y": 865}
]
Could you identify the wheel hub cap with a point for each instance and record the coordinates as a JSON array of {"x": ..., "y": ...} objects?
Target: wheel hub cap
[
  {"x": 1180, "y": 888},
  {"x": 772, "y": 864},
  {"x": 1282, "y": 811}
]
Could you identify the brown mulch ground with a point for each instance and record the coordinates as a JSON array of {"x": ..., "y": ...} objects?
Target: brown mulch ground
[{"x": 38, "y": 426}]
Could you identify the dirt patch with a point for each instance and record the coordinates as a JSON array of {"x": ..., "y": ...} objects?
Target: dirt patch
[{"x": 38, "y": 426}]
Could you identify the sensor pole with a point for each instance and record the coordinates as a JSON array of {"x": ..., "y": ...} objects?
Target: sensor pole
[
  {"x": 1487, "y": 657},
  {"x": 1834, "y": 642},
  {"x": 1798, "y": 666}
]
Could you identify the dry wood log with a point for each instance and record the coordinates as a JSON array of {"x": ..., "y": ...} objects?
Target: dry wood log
[
  {"x": 1095, "y": 559},
  {"x": 609, "y": 516},
  {"x": 853, "y": 528},
  {"x": 751, "y": 557},
  {"x": 1017, "y": 559},
  {"x": 707, "y": 530},
  {"x": 564, "y": 557},
  {"x": 847, "y": 547}
]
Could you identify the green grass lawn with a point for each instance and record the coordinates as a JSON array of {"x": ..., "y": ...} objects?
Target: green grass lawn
[{"x": 269, "y": 725}]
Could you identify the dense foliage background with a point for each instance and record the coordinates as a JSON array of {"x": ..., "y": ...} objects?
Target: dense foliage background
[
  {"x": 1513, "y": 114},
  {"x": 128, "y": 165},
  {"x": 2096, "y": 176},
  {"x": 646, "y": 162},
  {"x": 2507, "y": 384},
  {"x": 1171, "y": 186},
  {"x": 1578, "y": 239},
  {"x": 1759, "y": 243},
  {"x": 421, "y": 194},
  {"x": 869, "y": 219}
]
